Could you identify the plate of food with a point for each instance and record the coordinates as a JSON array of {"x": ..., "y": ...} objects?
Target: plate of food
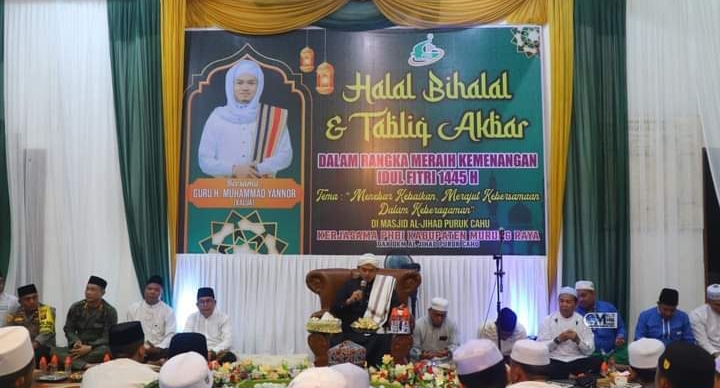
[
  {"x": 52, "y": 377},
  {"x": 365, "y": 326}
]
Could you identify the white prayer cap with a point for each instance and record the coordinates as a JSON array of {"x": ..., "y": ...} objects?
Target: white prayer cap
[
  {"x": 319, "y": 377},
  {"x": 369, "y": 258},
  {"x": 530, "y": 352},
  {"x": 584, "y": 285},
  {"x": 186, "y": 370},
  {"x": 439, "y": 304},
  {"x": 355, "y": 376},
  {"x": 16, "y": 350},
  {"x": 713, "y": 292},
  {"x": 567, "y": 291},
  {"x": 476, "y": 355},
  {"x": 644, "y": 353}
]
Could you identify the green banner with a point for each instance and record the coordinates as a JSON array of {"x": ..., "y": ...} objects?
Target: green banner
[{"x": 397, "y": 140}]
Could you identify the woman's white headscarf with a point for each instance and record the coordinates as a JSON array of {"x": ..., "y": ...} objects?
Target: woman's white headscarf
[{"x": 235, "y": 111}]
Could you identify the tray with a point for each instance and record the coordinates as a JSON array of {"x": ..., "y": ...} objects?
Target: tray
[
  {"x": 53, "y": 378},
  {"x": 364, "y": 331}
]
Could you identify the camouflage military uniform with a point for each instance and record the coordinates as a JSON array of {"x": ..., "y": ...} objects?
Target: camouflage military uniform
[
  {"x": 91, "y": 327},
  {"x": 41, "y": 325}
]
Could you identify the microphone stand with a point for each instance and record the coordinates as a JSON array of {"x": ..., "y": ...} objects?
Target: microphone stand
[{"x": 499, "y": 273}]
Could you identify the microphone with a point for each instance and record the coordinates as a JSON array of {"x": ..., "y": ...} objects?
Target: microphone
[
  {"x": 501, "y": 230},
  {"x": 363, "y": 286}
]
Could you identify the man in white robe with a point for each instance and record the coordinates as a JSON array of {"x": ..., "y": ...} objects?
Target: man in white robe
[
  {"x": 213, "y": 324},
  {"x": 569, "y": 340},
  {"x": 8, "y": 302},
  {"x": 157, "y": 319},
  {"x": 435, "y": 335},
  {"x": 705, "y": 321}
]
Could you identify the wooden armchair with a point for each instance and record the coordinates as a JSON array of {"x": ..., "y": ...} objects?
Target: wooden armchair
[{"x": 326, "y": 283}]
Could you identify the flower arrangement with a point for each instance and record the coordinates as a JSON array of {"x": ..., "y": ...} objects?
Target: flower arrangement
[
  {"x": 234, "y": 374},
  {"x": 422, "y": 374}
]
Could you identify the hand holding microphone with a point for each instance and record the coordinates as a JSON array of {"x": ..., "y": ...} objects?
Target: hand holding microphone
[{"x": 357, "y": 295}]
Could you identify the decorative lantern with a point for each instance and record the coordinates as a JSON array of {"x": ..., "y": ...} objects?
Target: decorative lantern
[
  {"x": 325, "y": 83},
  {"x": 307, "y": 60}
]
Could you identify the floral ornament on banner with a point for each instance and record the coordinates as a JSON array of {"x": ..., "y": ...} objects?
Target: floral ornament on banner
[
  {"x": 527, "y": 40},
  {"x": 243, "y": 234}
]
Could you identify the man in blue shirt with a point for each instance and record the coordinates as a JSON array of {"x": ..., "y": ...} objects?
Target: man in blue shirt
[
  {"x": 665, "y": 322},
  {"x": 602, "y": 317}
]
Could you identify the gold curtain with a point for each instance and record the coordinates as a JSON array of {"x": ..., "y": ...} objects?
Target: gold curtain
[
  {"x": 560, "y": 21},
  {"x": 172, "y": 21},
  {"x": 444, "y": 13},
  {"x": 531, "y": 12},
  {"x": 259, "y": 17}
]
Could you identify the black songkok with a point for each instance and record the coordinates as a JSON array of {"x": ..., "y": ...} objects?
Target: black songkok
[
  {"x": 126, "y": 333},
  {"x": 188, "y": 342},
  {"x": 98, "y": 281},
  {"x": 155, "y": 279},
  {"x": 205, "y": 291},
  {"x": 26, "y": 290},
  {"x": 669, "y": 297},
  {"x": 687, "y": 365}
]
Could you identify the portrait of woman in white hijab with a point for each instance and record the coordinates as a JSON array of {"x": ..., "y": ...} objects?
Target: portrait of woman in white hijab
[{"x": 244, "y": 138}]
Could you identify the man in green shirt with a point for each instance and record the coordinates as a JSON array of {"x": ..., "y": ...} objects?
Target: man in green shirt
[
  {"x": 87, "y": 326},
  {"x": 38, "y": 318}
]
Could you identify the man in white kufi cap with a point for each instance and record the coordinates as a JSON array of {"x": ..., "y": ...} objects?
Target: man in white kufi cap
[
  {"x": 16, "y": 357},
  {"x": 186, "y": 370},
  {"x": 320, "y": 377},
  {"x": 480, "y": 364},
  {"x": 355, "y": 377},
  {"x": 643, "y": 355},
  {"x": 569, "y": 340},
  {"x": 705, "y": 321},
  {"x": 603, "y": 319},
  {"x": 529, "y": 363},
  {"x": 435, "y": 335},
  {"x": 371, "y": 296}
]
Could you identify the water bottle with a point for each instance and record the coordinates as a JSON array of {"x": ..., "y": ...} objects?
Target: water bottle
[
  {"x": 405, "y": 325},
  {"x": 68, "y": 366},
  {"x": 43, "y": 365},
  {"x": 394, "y": 321},
  {"x": 53, "y": 364}
]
